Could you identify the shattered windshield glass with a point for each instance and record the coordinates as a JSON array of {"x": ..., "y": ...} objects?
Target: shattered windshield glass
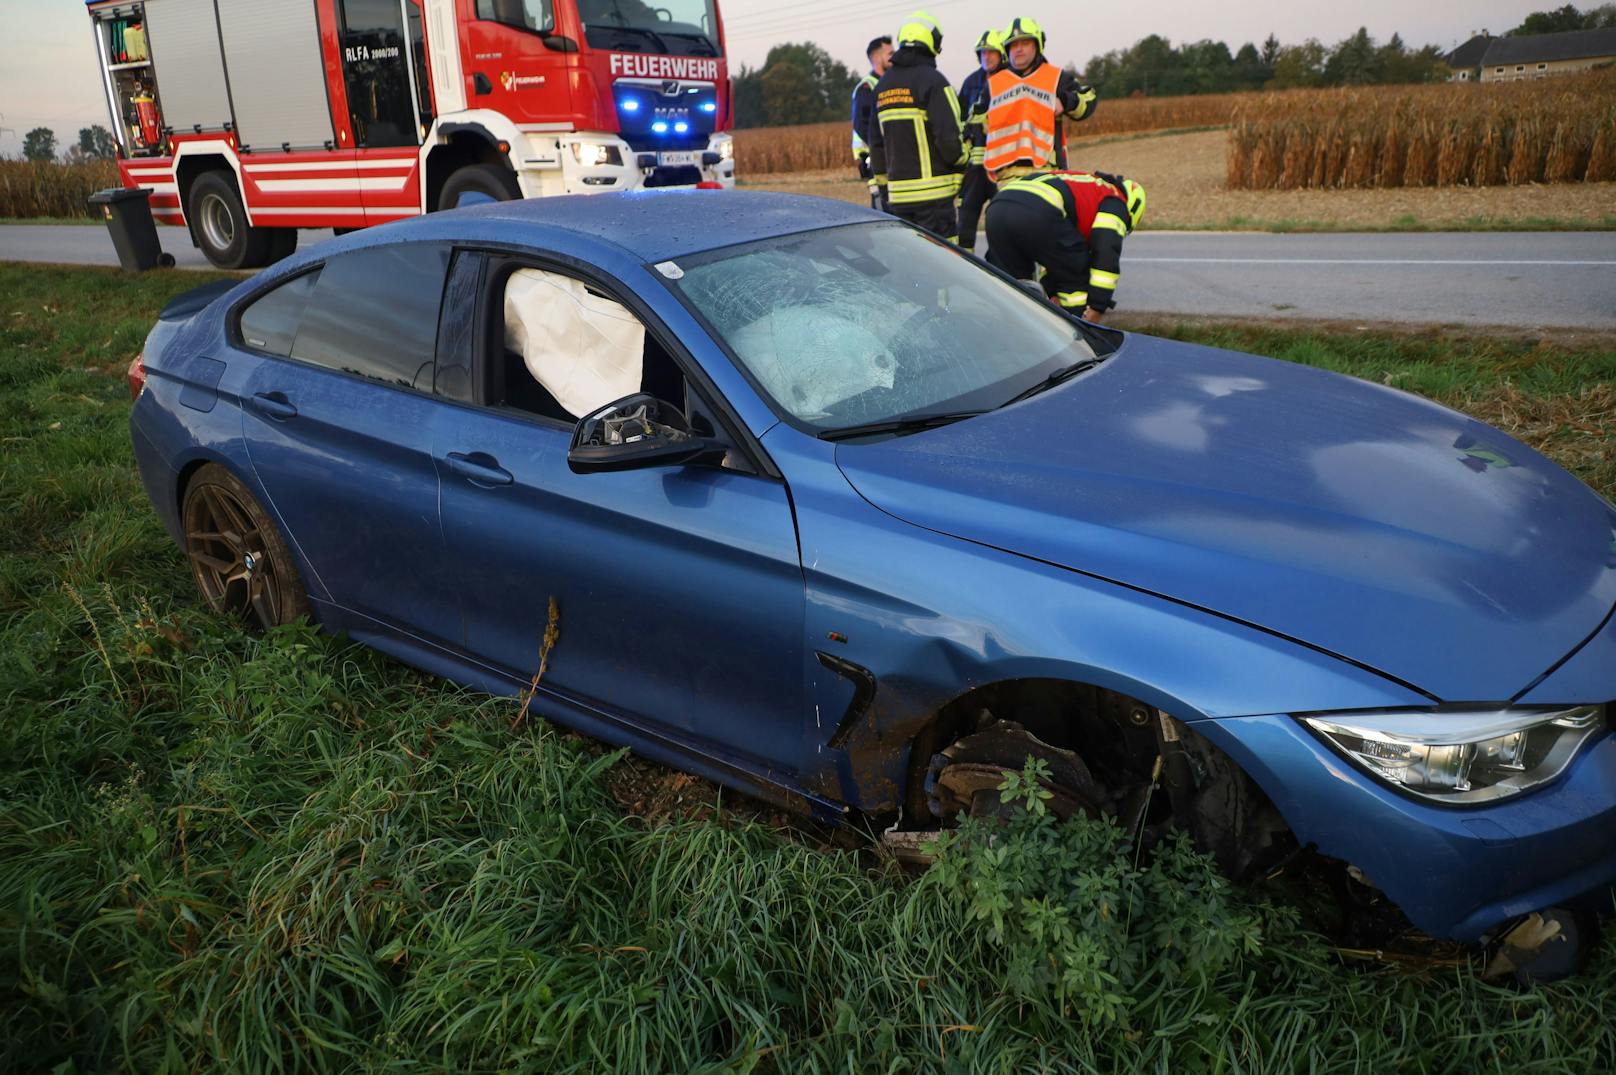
[{"x": 871, "y": 322}]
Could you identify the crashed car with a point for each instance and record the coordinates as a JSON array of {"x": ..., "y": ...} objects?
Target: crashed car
[{"x": 832, "y": 513}]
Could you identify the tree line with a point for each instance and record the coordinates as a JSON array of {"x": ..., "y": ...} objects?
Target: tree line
[
  {"x": 94, "y": 144},
  {"x": 799, "y": 82}
]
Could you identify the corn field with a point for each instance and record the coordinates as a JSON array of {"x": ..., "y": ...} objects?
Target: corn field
[
  {"x": 819, "y": 147},
  {"x": 1560, "y": 130},
  {"x": 46, "y": 188}
]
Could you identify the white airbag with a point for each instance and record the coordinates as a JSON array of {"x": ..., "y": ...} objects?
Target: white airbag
[{"x": 585, "y": 349}]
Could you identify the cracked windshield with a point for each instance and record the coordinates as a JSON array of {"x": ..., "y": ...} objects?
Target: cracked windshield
[{"x": 868, "y": 323}]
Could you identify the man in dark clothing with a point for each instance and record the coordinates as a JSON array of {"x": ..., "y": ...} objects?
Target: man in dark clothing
[
  {"x": 879, "y": 53},
  {"x": 1070, "y": 225},
  {"x": 915, "y": 147},
  {"x": 977, "y": 188}
]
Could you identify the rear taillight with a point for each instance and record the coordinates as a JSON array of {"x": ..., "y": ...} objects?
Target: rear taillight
[{"x": 137, "y": 377}]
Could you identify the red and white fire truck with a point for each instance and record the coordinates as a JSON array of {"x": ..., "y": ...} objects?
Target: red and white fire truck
[{"x": 249, "y": 119}]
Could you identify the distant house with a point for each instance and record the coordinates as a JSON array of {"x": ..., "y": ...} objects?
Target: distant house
[
  {"x": 1465, "y": 61},
  {"x": 1541, "y": 55}
]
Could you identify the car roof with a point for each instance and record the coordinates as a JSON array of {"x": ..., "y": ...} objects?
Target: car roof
[{"x": 653, "y": 225}]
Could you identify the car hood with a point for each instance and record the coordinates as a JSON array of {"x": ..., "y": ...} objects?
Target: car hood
[{"x": 1352, "y": 517}]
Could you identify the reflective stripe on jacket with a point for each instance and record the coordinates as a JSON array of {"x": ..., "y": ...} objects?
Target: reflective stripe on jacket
[
  {"x": 1023, "y": 112},
  {"x": 863, "y": 106}
]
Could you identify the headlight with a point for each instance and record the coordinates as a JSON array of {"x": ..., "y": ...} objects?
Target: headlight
[
  {"x": 726, "y": 149},
  {"x": 1462, "y": 758},
  {"x": 593, "y": 154}
]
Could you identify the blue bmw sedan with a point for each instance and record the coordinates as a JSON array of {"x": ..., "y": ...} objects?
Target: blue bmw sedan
[{"x": 834, "y": 514}]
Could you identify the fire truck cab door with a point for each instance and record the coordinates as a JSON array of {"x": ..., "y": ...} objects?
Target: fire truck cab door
[{"x": 389, "y": 100}]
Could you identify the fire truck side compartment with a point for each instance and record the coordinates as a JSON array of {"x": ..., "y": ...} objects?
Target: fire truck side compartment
[
  {"x": 184, "y": 40},
  {"x": 277, "y": 77}
]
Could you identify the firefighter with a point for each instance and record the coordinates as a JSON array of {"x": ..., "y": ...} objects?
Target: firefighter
[
  {"x": 879, "y": 53},
  {"x": 915, "y": 147},
  {"x": 1027, "y": 98},
  {"x": 1071, "y": 226},
  {"x": 976, "y": 188}
]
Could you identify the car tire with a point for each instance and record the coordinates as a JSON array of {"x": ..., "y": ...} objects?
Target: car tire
[
  {"x": 476, "y": 184},
  {"x": 240, "y": 562},
  {"x": 219, "y": 222}
]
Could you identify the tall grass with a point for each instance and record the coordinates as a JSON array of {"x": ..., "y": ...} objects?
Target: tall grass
[
  {"x": 1558, "y": 130},
  {"x": 236, "y": 854},
  {"x": 823, "y": 146},
  {"x": 52, "y": 189}
]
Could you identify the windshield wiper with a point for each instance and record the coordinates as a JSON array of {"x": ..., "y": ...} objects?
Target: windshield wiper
[
  {"x": 646, "y": 30},
  {"x": 1065, "y": 373},
  {"x": 695, "y": 39},
  {"x": 909, "y": 423}
]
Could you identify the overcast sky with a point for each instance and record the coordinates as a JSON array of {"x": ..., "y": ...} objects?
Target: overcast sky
[{"x": 48, "y": 77}]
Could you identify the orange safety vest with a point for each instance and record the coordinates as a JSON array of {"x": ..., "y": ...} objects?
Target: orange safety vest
[{"x": 1022, "y": 114}]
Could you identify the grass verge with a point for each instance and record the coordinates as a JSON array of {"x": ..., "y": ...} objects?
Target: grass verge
[{"x": 246, "y": 854}]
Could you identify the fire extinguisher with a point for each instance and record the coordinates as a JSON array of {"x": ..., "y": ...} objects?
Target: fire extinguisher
[{"x": 146, "y": 113}]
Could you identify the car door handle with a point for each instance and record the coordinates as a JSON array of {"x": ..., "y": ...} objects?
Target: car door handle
[
  {"x": 273, "y": 405},
  {"x": 479, "y": 468}
]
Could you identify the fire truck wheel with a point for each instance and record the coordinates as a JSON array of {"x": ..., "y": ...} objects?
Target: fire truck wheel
[
  {"x": 221, "y": 226},
  {"x": 478, "y": 183},
  {"x": 282, "y": 243}
]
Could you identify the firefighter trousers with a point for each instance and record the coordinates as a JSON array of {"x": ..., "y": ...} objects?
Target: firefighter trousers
[
  {"x": 936, "y": 216},
  {"x": 1025, "y": 232},
  {"x": 975, "y": 192}
]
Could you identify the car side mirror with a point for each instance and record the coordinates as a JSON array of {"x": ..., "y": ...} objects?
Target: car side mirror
[{"x": 635, "y": 432}]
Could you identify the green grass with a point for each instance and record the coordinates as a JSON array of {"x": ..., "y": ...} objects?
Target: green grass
[{"x": 227, "y": 853}]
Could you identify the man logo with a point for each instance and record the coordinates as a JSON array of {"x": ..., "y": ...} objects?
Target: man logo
[{"x": 670, "y": 87}]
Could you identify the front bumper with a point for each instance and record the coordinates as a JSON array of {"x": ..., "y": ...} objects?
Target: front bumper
[
  {"x": 1455, "y": 872},
  {"x": 628, "y": 169}
]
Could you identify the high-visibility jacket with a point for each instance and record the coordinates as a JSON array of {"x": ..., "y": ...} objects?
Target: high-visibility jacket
[
  {"x": 1023, "y": 117},
  {"x": 1098, "y": 209},
  {"x": 915, "y": 144},
  {"x": 973, "y": 95},
  {"x": 863, "y": 108}
]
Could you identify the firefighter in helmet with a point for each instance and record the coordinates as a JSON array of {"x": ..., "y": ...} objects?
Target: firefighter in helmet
[
  {"x": 915, "y": 146},
  {"x": 1070, "y": 225},
  {"x": 879, "y": 53},
  {"x": 1027, "y": 98},
  {"x": 976, "y": 188}
]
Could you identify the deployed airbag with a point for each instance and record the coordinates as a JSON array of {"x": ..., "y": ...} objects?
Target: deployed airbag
[{"x": 585, "y": 349}]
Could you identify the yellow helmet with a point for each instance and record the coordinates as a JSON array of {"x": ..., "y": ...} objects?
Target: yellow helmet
[
  {"x": 1020, "y": 29},
  {"x": 922, "y": 30},
  {"x": 1136, "y": 202},
  {"x": 991, "y": 40}
]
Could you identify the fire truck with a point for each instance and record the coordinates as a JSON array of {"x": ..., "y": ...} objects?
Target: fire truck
[{"x": 250, "y": 119}]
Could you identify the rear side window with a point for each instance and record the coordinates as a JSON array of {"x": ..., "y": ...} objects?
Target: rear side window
[
  {"x": 375, "y": 313},
  {"x": 270, "y": 322}
]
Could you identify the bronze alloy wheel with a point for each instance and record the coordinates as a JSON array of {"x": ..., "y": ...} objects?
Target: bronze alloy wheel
[{"x": 238, "y": 559}]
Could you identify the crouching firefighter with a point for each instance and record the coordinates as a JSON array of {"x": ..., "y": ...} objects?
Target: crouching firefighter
[
  {"x": 915, "y": 146},
  {"x": 1070, "y": 225}
]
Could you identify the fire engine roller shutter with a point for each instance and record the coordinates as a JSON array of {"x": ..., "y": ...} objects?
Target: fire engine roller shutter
[
  {"x": 184, "y": 40},
  {"x": 277, "y": 79}
]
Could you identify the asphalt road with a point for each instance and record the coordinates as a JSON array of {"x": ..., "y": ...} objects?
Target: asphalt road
[{"x": 1530, "y": 279}]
